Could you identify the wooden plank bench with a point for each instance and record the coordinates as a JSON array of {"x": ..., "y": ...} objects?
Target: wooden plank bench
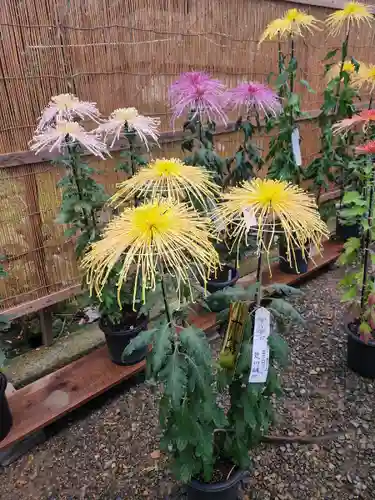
[{"x": 53, "y": 396}]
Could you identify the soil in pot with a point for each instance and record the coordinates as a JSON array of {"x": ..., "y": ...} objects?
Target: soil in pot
[
  {"x": 360, "y": 355},
  {"x": 223, "y": 486},
  {"x": 300, "y": 261},
  {"x": 119, "y": 335},
  {"x": 6, "y": 420},
  {"x": 226, "y": 276}
]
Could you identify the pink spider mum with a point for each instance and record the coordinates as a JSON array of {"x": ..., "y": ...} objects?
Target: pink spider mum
[
  {"x": 367, "y": 149},
  {"x": 364, "y": 117},
  {"x": 253, "y": 96},
  {"x": 67, "y": 107},
  {"x": 129, "y": 117},
  {"x": 197, "y": 92},
  {"x": 66, "y": 133}
]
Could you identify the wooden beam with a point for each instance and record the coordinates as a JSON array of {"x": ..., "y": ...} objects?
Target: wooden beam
[
  {"x": 330, "y": 4},
  {"x": 38, "y": 304}
]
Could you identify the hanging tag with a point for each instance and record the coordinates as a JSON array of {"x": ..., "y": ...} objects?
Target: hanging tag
[
  {"x": 261, "y": 351},
  {"x": 219, "y": 224},
  {"x": 296, "y": 147},
  {"x": 250, "y": 219}
]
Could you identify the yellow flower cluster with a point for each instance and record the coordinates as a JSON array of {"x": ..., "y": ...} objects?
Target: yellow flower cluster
[{"x": 295, "y": 22}]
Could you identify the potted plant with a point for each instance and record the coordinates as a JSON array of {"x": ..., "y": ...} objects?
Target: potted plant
[
  {"x": 284, "y": 156},
  {"x": 358, "y": 285},
  {"x": 120, "y": 321}
]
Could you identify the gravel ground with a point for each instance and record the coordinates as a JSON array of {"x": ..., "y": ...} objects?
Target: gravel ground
[{"x": 110, "y": 451}]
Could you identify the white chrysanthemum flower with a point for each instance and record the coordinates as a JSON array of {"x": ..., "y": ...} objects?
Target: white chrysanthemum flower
[
  {"x": 65, "y": 133},
  {"x": 123, "y": 118},
  {"x": 67, "y": 107}
]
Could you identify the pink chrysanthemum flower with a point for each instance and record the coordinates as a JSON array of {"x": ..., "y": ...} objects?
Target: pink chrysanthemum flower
[
  {"x": 364, "y": 118},
  {"x": 129, "y": 117},
  {"x": 197, "y": 92},
  {"x": 366, "y": 149},
  {"x": 254, "y": 96},
  {"x": 67, "y": 107},
  {"x": 66, "y": 133}
]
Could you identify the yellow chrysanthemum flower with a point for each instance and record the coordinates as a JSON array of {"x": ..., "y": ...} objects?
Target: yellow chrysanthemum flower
[
  {"x": 348, "y": 67},
  {"x": 352, "y": 13},
  {"x": 275, "y": 206},
  {"x": 171, "y": 179},
  {"x": 159, "y": 236},
  {"x": 291, "y": 25},
  {"x": 365, "y": 78}
]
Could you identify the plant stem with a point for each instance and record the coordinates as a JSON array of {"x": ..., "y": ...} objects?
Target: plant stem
[
  {"x": 130, "y": 138},
  {"x": 370, "y": 102},
  {"x": 166, "y": 305},
  {"x": 73, "y": 165},
  {"x": 258, "y": 296},
  {"x": 367, "y": 242},
  {"x": 292, "y": 72},
  {"x": 344, "y": 53}
]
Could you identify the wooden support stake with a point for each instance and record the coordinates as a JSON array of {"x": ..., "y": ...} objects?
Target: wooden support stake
[{"x": 45, "y": 317}]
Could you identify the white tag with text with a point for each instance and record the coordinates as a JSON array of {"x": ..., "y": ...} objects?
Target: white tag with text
[
  {"x": 261, "y": 351},
  {"x": 250, "y": 219},
  {"x": 296, "y": 147}
]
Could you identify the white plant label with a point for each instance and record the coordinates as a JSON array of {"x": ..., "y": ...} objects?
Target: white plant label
[
  {"x": 261, "y": 351},
  {"x": 250, "y": 219},
  {"x": 296, "y": 147},
  {"x": 220, "y": 225}
]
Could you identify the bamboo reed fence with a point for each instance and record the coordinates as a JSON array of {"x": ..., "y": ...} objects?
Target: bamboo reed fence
[{"x": 120, "y": 54}]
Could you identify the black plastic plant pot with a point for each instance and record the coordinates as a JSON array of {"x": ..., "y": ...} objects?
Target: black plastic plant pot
[
  {"x": 6, "y": 420},
  {"x": 226, "y": 276},
  {"x": 119, "y": 336},
  {"x": 228, "y": 490},
  {"x": 343, "y": 233},
  {"x": 300, "y": 261},
  {"x": 361, "y": 355}
]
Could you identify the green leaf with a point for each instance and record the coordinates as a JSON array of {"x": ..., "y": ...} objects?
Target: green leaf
[
  {"x": 280, "y": 288},
  {"x": 351, "y": 197},
  {"x": 282, "y": 79},
  {"x": 195, "y": 342},
  {"x": 330, "y": 54},
  {"x": 286, "y": 310},
  {"x": 141, "y": 340},
  {"x": 306, "y": 84},
  {"x": 162, "y": 346},
  {"x": 278, "y": 348},
  {"x": 174, "y": 377}
]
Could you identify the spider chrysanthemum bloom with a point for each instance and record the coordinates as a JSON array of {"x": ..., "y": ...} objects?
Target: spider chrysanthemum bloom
[
  {"x": 67, "y": 107},
  {"x": 292, "y": 25},
  {"x": 276, "y": 206},
  {"x": 171, "y": 179},
  {"x": 66, "y": 133},
  {"x": 254, "y": 96},
  {"x": 366, "y": 149},
  {"x": 352, "y": 13},
  {"x": 198, "y": 93},
  {"x": 365, "y": 78},
  {"x": 123, "y": 119},
  {"x": 347, "y": 66},
  {"x": 157, "y": 237},
  {"x": 364, "y": 118}
]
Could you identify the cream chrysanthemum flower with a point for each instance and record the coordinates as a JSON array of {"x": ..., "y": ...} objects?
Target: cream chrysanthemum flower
[
  {"x": 129, "y": 118},
  {"x": 365, "y": 78},
  {"x": 276, "y": 206},
  {"x": 291, "y": 25},
  {"x": 157, "y": 237},
  {"x": 67, "y": 133},
  {"x": 347, "y": 66},
  {"x": 171, "y": 179},
  {"x": 352, "y": 13},
  {"x": 67, "y": 107}
]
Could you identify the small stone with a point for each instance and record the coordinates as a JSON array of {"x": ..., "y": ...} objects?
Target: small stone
[{"x": 155, "y": 454}]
